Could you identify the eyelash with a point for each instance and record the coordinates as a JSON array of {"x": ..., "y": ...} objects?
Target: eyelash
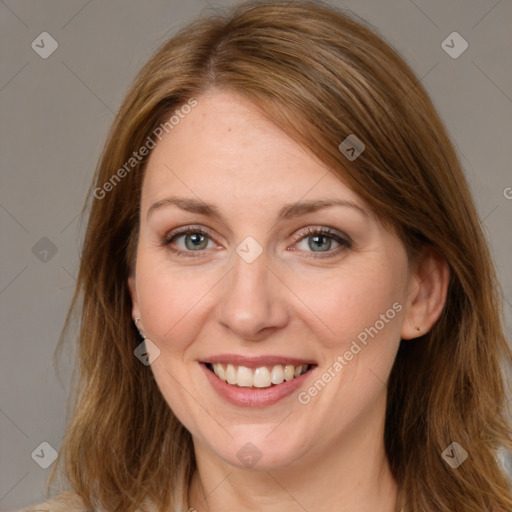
[{"x": 345, "y": 243}]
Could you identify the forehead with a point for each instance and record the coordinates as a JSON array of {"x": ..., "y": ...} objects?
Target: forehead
[{"x": 225, "y": 148}]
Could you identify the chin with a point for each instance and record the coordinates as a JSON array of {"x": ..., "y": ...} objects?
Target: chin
[{"x": 258, "y": 451}]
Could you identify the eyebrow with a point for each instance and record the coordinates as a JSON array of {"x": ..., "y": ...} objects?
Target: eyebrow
[{"x": 288, "y": 211}]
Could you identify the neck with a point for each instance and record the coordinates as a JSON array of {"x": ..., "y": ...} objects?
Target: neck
[{"x": 351, "y": 476}]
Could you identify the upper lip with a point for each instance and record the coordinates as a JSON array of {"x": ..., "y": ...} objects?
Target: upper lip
[{"x": 256, "y": 362}]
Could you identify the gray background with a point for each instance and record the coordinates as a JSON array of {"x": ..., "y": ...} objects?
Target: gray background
[{"x": 55, "y": 114}]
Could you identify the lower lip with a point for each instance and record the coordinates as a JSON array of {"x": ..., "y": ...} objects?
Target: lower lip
[{"x": 254, "y": 397}]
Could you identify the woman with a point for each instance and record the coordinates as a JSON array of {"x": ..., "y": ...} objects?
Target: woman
[{"x": 286, "y": 297}]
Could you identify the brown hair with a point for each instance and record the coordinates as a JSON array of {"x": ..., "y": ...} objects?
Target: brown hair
[{"x": 320, "y": 76}]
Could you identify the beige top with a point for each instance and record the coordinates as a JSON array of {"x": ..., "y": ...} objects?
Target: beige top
[
  {"x": 66, "y": 502},
  {"x": 70, "y": 502}
]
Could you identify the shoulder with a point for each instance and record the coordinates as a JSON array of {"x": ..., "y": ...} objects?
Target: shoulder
[
  {"x": 66, "y": 502},
  {"x": 70, "y": 502}
]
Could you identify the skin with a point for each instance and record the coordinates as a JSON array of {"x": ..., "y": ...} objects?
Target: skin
[{"x": 327, "y": 454}]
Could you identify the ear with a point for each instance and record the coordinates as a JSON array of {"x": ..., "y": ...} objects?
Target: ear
[
  {"x": 428, "y": 287},
  {"x": 133, "y": 295}
]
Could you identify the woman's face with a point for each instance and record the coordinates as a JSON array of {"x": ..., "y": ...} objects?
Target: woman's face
[{"x": 285, "y": 272}]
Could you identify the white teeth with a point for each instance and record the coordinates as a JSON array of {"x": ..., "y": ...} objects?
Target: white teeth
[
  {"x": 219, "y": 371},
  {"x": 244, "y": 377},
  {"x": 289, "y": 372},
  {"x": 277, "y": 375},
  {"x": 230, "y": 374},
  {"x": 261, "y": 377}
]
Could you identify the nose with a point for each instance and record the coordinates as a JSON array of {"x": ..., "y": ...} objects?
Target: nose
[{"x": 253, "y": 300}]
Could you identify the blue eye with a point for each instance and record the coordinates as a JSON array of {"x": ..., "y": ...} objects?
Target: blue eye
[
  {"x": 196, "y": 239},
  {"x": 321, "y": 240},
  {"x": 313, "y": 240}
]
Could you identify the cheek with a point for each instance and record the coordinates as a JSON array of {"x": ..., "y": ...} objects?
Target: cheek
[
  {"x": 171, "y": 300},
  {"x": 354, "y": 302},
  {"x": 359, "y": 313}
]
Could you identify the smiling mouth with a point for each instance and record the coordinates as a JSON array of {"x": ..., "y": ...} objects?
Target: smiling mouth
[{"x": 261, "y": 377}]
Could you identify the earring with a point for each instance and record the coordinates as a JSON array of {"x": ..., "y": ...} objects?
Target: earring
[{"x": 141, "y": 332}]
